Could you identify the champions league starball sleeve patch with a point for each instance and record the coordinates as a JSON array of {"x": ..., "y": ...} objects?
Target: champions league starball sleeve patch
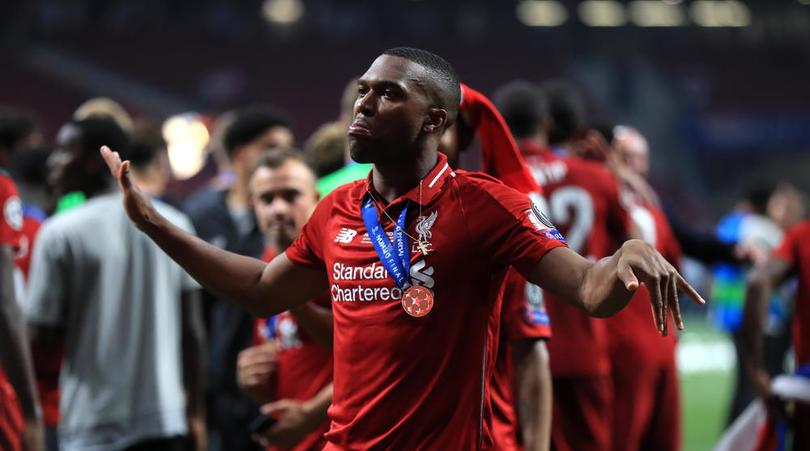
[{"x": 543, "y": 224}]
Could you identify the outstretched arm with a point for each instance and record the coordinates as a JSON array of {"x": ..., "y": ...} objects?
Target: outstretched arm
[
  {"x": 603, "y": 288},
  {"x": 261, "y": 289},
  {"x": 534, "y": 390}
]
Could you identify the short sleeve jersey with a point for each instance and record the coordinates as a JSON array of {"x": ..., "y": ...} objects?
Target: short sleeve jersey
[
  {"x": 402, "y": 382},
  {"x": 583, "y": 201},
  {"x": 795, "y": 251},
  {"x": 304, "y": 366},
  {"x": 632, "y": 332}
]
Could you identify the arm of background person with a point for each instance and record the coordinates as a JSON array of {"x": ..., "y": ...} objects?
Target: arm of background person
[
  {"x": 193, "y": 338},
  {"x": 297, "y": 420},
  {"x": 761, "y": 282},
  {"x": 603, "y": 288},
  {"x": 15, "y": 356},
  {"x": 702, "y": 246},
  {"x": 317, "y": 321},
  {"x": 261, "y": 289},
  {"x": 533, "y": 380}
]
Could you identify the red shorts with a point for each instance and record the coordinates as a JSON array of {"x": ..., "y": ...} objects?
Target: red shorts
[
  {"x": 646, "y": 410},
  {"x": 580, "y": 419}
]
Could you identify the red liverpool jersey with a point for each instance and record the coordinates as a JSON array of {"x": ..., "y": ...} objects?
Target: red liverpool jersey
[
  {"x": 795, "y": 251},
  {"x": 583, "y": 201},
  {"x": 11, "y": 223},
  {"x": 632, "y": 331},
  {"x": 403, "y": 382}
]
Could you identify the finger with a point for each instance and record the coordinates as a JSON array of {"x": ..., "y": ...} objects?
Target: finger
[
  {"x": 123, "y": 176},
  {"x": 274, "y": 407},
  {"x": 684, "y": 285},
  {"x": 665, "y": 300},
  {"x": 675, "y": 304},
  {"x": 654, "y": 289},
  {"x": 625, "y": 273},
  {"x": 112, "y": 160}
]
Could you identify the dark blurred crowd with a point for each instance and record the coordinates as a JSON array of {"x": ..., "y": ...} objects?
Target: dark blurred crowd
[{"x": 128, "y": 352}]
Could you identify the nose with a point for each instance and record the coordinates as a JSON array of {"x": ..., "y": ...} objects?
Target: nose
[{"x": 366, "y": 104}]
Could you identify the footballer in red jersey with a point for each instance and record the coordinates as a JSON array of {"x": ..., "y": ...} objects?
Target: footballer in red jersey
[
  {"x": 583, "y": 200},
  {"x": 792, "y": 257},
  {"x": 19, "y": 423},
  {"x": 411, "y": 318},
  {"x": 286, "y": 365}
]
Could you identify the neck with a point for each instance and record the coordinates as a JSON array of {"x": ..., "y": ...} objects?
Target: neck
[
  {"x": 394, "y": 180},
  {"x": 149, "y": 185},
  {"x": 239, "y": 195}
]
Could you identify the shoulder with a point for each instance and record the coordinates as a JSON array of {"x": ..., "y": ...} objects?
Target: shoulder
[
  {"x": 800, "y": 229},
  {"x": 346, "y": 193}
]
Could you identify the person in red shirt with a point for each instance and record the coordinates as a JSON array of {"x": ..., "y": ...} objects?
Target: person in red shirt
[
  {"x": 412, "y": 319},
  {"x": 583, "y": 200},
  {"x": 521, "y": 361},
  {"x": 20, "y": 416},
  {"x": 286, "y": 364},
  {"x": 643, "y": 366},
  {"x": 791, "y": 257}
]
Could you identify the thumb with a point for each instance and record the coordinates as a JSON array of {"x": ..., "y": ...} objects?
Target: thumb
[
  {"x": 625, "y": 273},
  {"x": 124, "y": 178},
  {"x": 276, "y": 407}
]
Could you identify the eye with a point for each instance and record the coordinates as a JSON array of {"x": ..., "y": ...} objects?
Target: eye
[
  {"x": 362, "y": 90},
  {"x": 389, "y": 92}
]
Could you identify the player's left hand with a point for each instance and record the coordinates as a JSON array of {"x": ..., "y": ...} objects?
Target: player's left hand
[
  {"x": 295, "y": 422},
  {"x": 641, "y": 263}
]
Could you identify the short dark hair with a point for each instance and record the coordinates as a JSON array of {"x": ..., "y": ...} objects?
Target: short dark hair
[
  {"x": 523, "y": 107},
  {"x": 15, "y": 125},
  {"x": 275, "y": 158},
  {"x": 146, "y": 143},
  {"x": 250, "y": 123},
  {"x": 567, "y": 109},
  {"x": 100, "y": 131},
  {"x": 448, "y": 89}
]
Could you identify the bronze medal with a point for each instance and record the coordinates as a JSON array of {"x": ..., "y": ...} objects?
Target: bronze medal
[{"x": 417, "y": 301}]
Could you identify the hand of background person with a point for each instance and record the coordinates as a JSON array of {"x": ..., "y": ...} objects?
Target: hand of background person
[
  {"x": 254, "y": 368},
  {"x": 136, "y": 203},
  {"x": 33, "y": 438},
  {"x": 296, "y": 420},
  {"x": 641, "y": 263},
  {"x": 761, "y": 381}
]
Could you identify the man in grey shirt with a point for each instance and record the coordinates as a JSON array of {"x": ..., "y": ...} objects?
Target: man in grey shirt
[{"x": 128, "y": 315}]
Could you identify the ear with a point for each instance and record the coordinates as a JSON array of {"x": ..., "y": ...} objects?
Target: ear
[{"x": 436, "y": 121}]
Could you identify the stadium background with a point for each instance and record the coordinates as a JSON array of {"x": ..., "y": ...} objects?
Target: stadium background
[{"x": 720, "y": 88}]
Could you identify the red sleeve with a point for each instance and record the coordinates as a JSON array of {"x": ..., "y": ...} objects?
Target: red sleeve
[
  {"x": 618, "y": 219},
  {"x": 307, "y": 249},
  {"x": 789, "y": 249},
  {"x": 523, "y": 314},
  {"x": 506, "y": 226},
  {"x": 11, "y": 216}
]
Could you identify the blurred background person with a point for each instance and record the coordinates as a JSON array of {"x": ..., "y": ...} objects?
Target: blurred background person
[
  {"x": 21, "y": 426},
  {"x": 224, "y": 217},
  {"x": 583, "y": 201},
  {"x": 129, "y": 317},
  {"x": 287, "y": 367},
  {"x": 643, "y": 368}
]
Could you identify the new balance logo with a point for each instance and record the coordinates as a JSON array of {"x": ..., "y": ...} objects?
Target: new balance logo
[{"x": 345, "y": 235}]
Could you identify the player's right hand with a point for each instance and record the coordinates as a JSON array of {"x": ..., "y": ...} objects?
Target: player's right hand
[
  {"x": 33, "y": 438},
  {"x": 136, "y": 203},
  {"x": 254, "y": 368}
]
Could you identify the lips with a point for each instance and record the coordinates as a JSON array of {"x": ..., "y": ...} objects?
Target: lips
[{"x": 359, "y": 128}]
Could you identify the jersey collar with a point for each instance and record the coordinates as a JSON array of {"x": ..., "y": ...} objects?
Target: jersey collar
[{"x": 432, "y": 184}]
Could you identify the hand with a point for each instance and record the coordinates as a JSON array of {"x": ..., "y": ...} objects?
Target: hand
[
  {"x": 641, "y": 263},
  {"x": 296, "y": 421},
  {"x": 762, "y": 386},
  {"x": 33, "y": 438},
  {"x": 197, "y": 432},
  {"x": 254, "y": 368},
  {"x": 751, "y": 252},
  {"x": 136, "y": 203}
]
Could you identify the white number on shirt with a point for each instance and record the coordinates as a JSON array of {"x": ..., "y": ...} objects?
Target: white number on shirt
[{"x": 572, "y": 207}]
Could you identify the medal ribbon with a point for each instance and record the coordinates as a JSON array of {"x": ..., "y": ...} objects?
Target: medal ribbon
[{"x": 398, "y": 264}]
